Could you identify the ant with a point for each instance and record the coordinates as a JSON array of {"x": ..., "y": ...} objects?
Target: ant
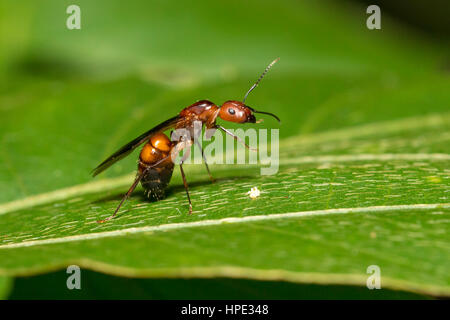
[{"x": 156, "y": 160}]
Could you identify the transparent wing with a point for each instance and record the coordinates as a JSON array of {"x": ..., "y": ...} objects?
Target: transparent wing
[{"x": 130, "y": 146}]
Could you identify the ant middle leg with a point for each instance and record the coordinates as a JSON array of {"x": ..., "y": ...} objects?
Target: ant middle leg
[
  {"x": 204, "y": 160},
  {"x": 186, "y": 188},
  {"x": 187, "y": 147}
]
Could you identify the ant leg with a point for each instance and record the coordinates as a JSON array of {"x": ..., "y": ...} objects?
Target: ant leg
[
  {"x": 206, "y": 163},
  {"x": 186, "y": 187},
  {"x": 133, "y": 186},
  {"x": 187, "y": 146},
  {"x": 236, "y": 138}
]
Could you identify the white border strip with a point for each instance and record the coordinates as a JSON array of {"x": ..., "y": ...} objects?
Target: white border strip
[{"x": 183, "y": 225}]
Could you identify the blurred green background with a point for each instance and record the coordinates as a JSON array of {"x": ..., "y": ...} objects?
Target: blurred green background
[{"x": 68, "y": 98}]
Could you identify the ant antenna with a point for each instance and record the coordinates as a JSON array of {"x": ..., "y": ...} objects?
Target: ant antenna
[{"x": 260, "y": 78}]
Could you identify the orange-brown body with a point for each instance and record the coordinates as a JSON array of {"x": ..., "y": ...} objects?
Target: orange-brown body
[
  {"x": 156, "y": 178},
  {"x": 156, "y": 158},
  {"x": 207, "y": 112},
  {"x": 204, "y": 111}
]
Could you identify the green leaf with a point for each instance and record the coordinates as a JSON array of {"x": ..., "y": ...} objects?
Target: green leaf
[
  {"x": 305, "y": 227},
  {"x": 364, "y": 155}
]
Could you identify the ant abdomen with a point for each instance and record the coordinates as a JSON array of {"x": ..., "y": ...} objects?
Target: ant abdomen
[
  {"x": 157, "y": 165},
  {"x": 155, "y": 181}
]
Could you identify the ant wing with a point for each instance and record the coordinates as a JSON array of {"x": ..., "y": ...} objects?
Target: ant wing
[{"x": 130, "y": 146}]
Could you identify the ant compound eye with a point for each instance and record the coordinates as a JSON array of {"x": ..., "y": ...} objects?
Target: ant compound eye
[{"x": 231, "y": 111}]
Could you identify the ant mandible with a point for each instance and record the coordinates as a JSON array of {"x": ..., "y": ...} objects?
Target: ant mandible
[{"x": 156, "y": 160}]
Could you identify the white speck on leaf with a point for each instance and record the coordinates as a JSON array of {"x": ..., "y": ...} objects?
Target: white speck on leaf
[{"x": 254, "y": 193}]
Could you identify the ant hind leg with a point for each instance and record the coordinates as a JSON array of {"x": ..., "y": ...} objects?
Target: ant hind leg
[{"x": 126, "y": 196}]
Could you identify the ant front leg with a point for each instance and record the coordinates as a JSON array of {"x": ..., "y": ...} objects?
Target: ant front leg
[{"x": 235, "y": 137}]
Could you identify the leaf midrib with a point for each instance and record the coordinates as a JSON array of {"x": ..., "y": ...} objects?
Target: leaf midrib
[{"x": 212, "y": 222}]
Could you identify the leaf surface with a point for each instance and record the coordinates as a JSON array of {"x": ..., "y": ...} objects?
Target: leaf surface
[{"x": 364, "y": 152}]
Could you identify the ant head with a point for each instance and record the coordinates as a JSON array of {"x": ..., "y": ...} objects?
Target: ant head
[{"x": 236, "y": 111}]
